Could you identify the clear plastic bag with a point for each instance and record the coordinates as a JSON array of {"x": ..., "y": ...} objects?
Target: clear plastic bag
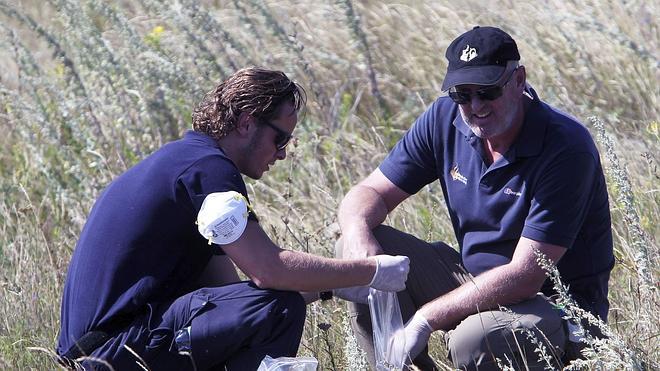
[
  {"x": 389, "y": 342},
  {"x": 288, "y": 364}
]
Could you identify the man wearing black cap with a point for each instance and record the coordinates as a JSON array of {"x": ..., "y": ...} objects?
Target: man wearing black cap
[{"x": 519, "y": 177}]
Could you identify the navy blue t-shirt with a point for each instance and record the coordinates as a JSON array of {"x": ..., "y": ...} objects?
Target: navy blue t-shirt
[
  {"x": 140, "y": 244},
  {"x": 549, "y": 187}
]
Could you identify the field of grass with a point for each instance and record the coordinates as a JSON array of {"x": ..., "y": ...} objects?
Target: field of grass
[{"x": 88, "y": 88}]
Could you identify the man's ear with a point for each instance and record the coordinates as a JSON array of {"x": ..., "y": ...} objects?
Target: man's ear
[{"x": 245, "y": 123}]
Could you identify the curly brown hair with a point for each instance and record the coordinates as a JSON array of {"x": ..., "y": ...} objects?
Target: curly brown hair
[{"x": 256, "y": 91}]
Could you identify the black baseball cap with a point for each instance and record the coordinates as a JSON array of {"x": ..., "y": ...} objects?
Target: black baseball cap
[{"x": 480, "y": 57}]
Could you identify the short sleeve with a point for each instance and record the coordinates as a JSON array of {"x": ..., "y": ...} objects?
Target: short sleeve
[
  {"x": 561, "y": 200},
  {"x": 208, "y": 175},
  {"x": 412, "y": 164}
]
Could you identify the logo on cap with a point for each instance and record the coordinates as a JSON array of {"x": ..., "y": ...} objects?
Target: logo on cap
[
  {"x": 468, "y": 53},
  {"x": 479, "y": 56}
]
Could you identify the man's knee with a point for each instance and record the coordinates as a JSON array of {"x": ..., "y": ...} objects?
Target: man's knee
[
  {"x": 503, "y": 348},
  {"x": 471, "y": 347},
  {"x": 512, "y": 338},
  {"x": 245, "y": 297},
  {"x": 292, "y": 303},
  {"x": 245, "y": 318},
  {"x": 284, "y": 323}
]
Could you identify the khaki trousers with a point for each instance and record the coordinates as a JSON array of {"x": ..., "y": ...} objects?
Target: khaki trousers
[{"x": 480, "y": 339}]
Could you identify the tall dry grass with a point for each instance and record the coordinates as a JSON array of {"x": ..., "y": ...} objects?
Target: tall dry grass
[{"x": 89, "y": 88}]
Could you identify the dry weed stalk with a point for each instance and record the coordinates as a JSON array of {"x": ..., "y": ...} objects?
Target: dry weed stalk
[{"x": 607, "y": 352}]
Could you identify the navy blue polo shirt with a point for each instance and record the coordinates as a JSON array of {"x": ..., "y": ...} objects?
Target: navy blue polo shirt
[
  {"x": 140, "y": 243},
  {"x": 549, "y": 187}
]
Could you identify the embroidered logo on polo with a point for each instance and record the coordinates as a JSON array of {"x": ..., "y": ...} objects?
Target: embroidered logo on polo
[
  {"x": 509, "y": 191},
  {"x": 456, "y": 175},
  {"x": 468, "y": 53}
]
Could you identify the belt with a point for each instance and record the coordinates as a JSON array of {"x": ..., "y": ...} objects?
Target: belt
[{"x": 93, "y": 339}]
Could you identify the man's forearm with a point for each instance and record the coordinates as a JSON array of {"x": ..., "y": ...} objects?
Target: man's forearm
[
  {"x": 294, "y": 270},
  {"x": 362, "y": 206},
  {"x": 361, "y": 210},
  {"x": 508, "y": 284},
  {"x": 500, "y": 286}
]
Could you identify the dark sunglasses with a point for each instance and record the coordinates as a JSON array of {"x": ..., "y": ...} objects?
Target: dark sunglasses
[
  {"x": 282, "y": 139},
  {"x": 488, "y": 93}
]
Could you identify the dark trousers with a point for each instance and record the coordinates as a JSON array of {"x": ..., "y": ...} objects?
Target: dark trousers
[{"x": 232, "y": 327}]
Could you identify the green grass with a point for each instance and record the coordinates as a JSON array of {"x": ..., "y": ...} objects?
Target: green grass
[{"x": 89, "y": 88}]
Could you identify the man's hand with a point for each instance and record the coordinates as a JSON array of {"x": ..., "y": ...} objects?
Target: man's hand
[
  {"x": 356, "y": 294},
  {"x": 391, "y": 272},
  {"x": 416, "y": 334}
]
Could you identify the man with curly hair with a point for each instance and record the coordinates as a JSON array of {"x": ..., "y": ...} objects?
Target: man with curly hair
[{"x": 152, "y": 282}]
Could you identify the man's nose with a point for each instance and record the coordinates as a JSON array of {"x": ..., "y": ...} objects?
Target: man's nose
[{"x": 476, "y": 102}]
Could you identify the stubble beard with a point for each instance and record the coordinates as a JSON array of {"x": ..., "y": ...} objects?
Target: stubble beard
[
  {"x": 248, "y": 153},
  {"x": 500, "y": 127}
]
